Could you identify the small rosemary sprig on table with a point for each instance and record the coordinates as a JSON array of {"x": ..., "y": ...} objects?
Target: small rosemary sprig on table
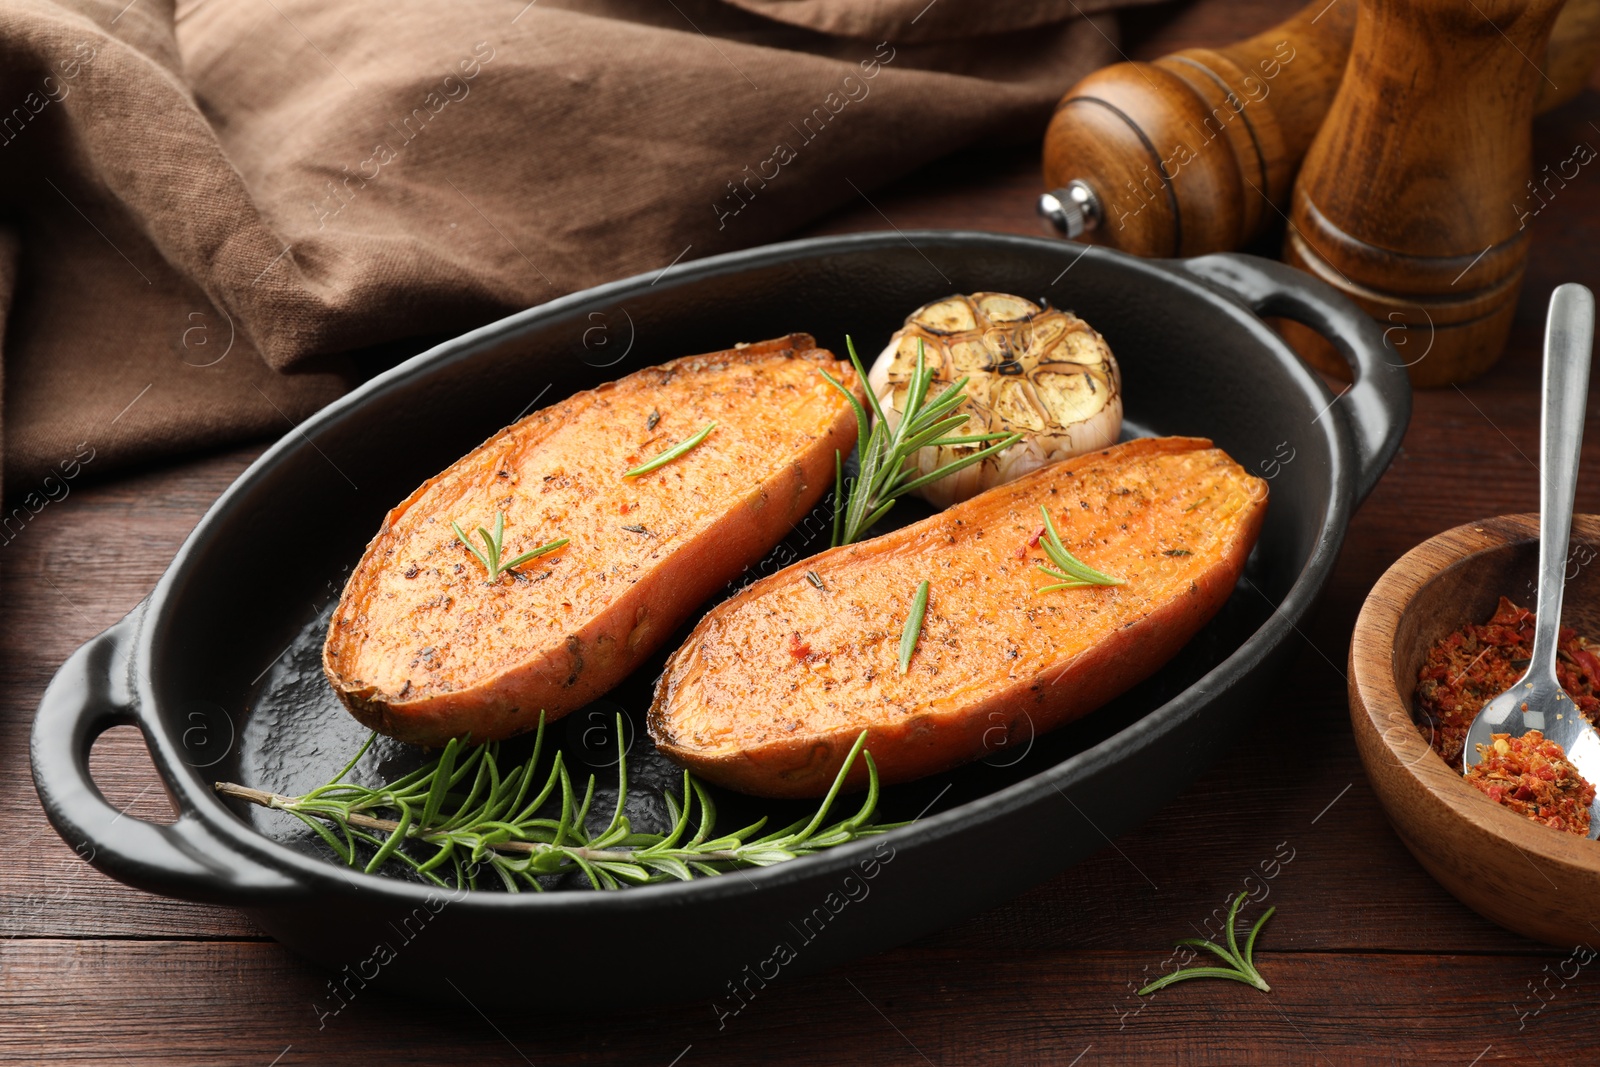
[
  {"x": 885, "y": 471},
  {"x": 1071, "y": 572},
  {"x": 672, "y": 453},
  {"x": 1241, "y": 965},
  {"x": 476, "y": 818},
  {"x": 489, "y": 555}
]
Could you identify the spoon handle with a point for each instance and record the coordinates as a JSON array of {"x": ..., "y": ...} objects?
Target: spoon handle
[{"x": 1568, "y": 338}]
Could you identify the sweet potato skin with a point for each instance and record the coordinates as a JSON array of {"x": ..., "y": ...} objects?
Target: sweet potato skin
[
  {"x": 774, "y": 685},
  {"x": 423, "y": 648}
]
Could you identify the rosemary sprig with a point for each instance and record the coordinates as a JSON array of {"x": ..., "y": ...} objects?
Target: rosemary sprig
[
  {"x": 489, "y": 555},
  {"x": 913, "y": 631},
  {"x": 672, "y": 453},
  {"x": 1241, "y": 965},
  {"x": 1071, "y": 572},
  {"x": 477, "y": 818},
  {"x": 885, "y": 471}
]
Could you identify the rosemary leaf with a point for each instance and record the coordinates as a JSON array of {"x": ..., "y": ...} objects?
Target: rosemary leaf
[
  {"x": 393, "y": 842},
  {"x": 1250, "y": 943},
  {"x": 535, "y": 553},
  {"x": 493, "y": 543},
  {"x": 1240, "y": 965},
  {"x": 672, "y": 453},
  {"x": 474, "y": 549},
  {"x": 1195, "y": 972},
  {"x": 1002, "y": 442},
  {"x": 1070, "y": 572},
  {"x": 913, "y": 631}
]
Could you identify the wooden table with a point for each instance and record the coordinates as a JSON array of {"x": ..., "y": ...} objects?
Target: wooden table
[{"x": 1370, "y": 961}]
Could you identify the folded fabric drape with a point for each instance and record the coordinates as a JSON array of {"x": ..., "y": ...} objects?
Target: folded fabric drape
[{"x": 209, "y": 208}]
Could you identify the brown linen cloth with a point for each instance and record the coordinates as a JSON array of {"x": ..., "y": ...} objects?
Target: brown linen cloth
[{"x": 208, "y": 208}]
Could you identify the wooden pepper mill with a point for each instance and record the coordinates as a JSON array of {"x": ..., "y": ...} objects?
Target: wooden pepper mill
[
  {"x": 1197, "y": 151},
  {"x": 1187, "y": 154},
  {"x": 1407, "y": 199}
]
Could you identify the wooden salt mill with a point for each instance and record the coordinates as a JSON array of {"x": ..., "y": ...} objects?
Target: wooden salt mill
[
  {"x": 1406, "y": 201},
  {"x": 1197, "y": 151}
]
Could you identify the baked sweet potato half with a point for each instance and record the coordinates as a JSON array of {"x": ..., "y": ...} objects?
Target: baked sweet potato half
[
  {"x": 774, "y": 685},
  {"x": 423, "y": 647}
]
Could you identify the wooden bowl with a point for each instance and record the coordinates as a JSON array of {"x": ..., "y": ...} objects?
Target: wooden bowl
[{"x": 1540, "y": 882}]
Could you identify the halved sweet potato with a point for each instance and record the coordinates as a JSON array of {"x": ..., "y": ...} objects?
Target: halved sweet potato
[
  {"x": 424, "y": 648},
  {"x": 775, "y": 684}
]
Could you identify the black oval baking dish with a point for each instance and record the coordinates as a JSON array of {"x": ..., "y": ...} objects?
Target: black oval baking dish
[{"x": 220, "y": 673}]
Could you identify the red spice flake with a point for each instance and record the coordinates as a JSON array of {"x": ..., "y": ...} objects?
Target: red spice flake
[
  {"x": 1532, "y": 776},
  {"x": 622, "y": 508},
  {"x": 1033, "y": 542},
  {"x": 1469, "y": 667},
  {"x": 798, "y": 648},
  {"x": 1587, "y": 662}
]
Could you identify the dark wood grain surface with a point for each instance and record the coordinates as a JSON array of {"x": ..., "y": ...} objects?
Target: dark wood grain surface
[{"x": 1370, "y": 961}]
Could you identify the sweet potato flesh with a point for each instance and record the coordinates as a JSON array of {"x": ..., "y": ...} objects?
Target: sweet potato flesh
[
  {"x": 774, "y": 684},
  {"x": 423, "y": 647}
]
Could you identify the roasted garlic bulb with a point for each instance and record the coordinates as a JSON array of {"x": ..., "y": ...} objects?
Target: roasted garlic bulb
[{"x": 1043, "y": 373}]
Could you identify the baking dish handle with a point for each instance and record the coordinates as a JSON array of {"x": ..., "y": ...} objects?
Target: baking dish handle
[
  {"x": 1377, "y": 406},
  {"x": 90, "y": 694}
]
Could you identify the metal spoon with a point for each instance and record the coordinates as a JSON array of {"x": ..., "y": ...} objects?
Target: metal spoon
[{"x": 1537, "y": 701}]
